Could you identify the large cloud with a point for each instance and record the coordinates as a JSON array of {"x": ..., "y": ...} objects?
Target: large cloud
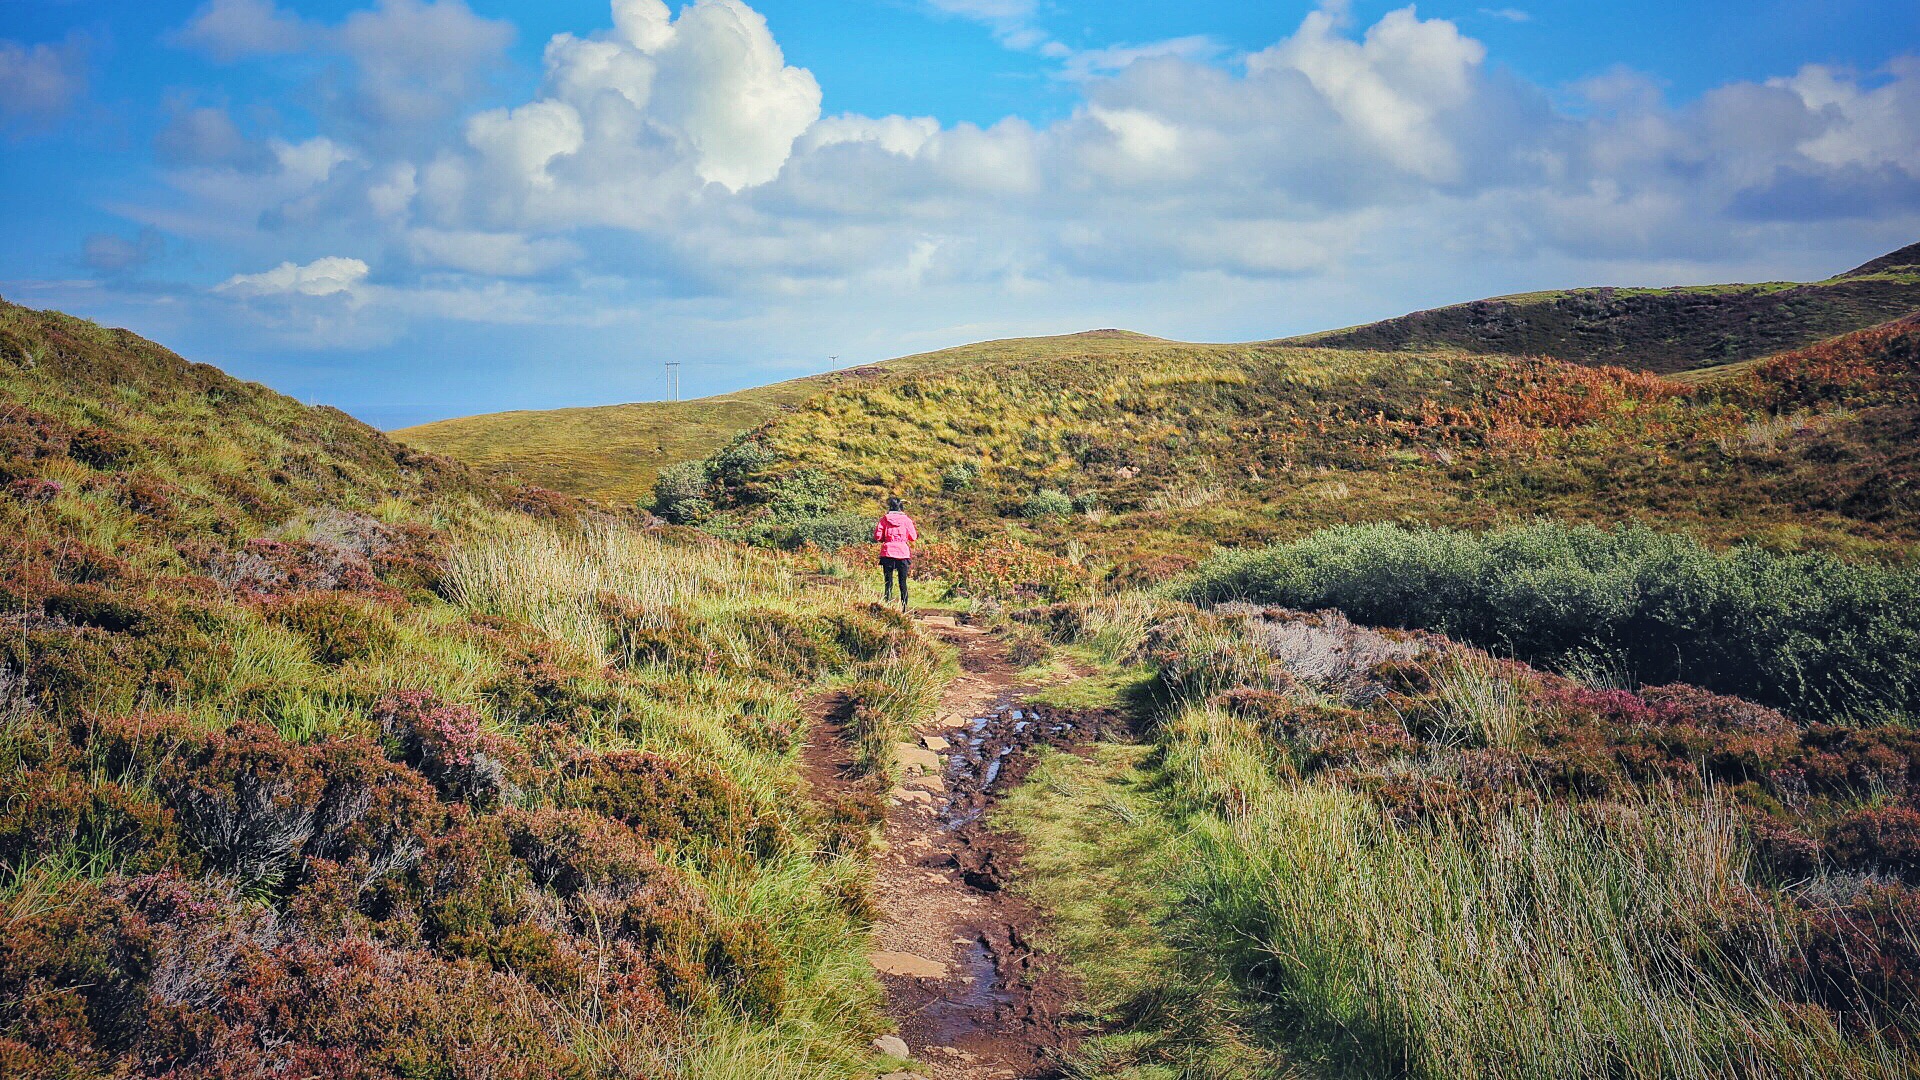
[{"x": 631, "y": 123}]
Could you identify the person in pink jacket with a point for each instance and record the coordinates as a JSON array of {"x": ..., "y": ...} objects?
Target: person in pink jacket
[{"x": 895, "y": 533}]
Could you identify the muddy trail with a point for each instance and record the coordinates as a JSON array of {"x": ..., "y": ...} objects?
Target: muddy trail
[{"x": 974, "y": 998}]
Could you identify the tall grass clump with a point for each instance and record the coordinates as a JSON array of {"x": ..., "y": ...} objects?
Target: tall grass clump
[
  {"x": 555, "y": 576},
  {"x": 1540, "y": 943},
  {"x": 883, "y": 708},
  {"x": 1806, "y": 632}
]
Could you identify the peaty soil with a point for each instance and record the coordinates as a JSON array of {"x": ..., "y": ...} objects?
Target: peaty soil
[{"x": 974, "y": 997}]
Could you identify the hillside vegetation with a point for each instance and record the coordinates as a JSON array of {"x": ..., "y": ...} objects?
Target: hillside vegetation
[
  {"x": 1136, "y": 466},
  {"x": 614, "y": 452},
  {"x": 1663, "y": 330},
  {"x": 322, "y": 757},
  {"x": 1385, "y": 854}
]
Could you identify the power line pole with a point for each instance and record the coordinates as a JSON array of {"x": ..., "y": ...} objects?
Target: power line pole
[
  {"x": 673, "y": 380},
  {"x": 832, "y": 362}
]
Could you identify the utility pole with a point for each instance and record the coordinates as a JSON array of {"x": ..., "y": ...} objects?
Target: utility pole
[{"x": 673, "y": 380}]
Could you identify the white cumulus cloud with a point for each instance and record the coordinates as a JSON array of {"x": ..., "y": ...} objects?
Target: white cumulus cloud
[
  {"x": 672, "y": 164},
  {"x": 328, "y": 276}
]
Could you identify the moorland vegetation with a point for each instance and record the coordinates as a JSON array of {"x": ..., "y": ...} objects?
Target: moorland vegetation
[
  {"x": 323, "y": 757},
  {"x": 1135, "y": 468},
  {"x": 1386, "y": 853},
  {"x": 614, "y": 452}
]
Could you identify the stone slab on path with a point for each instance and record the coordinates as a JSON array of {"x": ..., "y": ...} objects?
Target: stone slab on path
[
  {"x": 907, "y": 964},
  {"x": 916, "y": 757}
]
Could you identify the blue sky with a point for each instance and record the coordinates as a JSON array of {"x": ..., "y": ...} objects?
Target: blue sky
[{"x": 423, "y": 208}]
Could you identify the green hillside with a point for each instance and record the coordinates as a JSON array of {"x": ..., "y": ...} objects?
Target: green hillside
[
  {"x": 613, "y": 452},
  {"x": 1148, "y": 460},
  {"x": 1663, "y": 330},
  {"x": 321, "y": 756}
]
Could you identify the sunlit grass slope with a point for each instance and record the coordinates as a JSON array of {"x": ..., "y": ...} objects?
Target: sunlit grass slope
[
  {"x": 1145, "y": 460},
  {"x": 320, "y": 756},
  {"x": 614, "y": 452}
]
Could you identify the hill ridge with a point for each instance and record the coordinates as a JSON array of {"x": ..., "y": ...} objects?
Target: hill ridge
[{"x": 615, "y": 451}]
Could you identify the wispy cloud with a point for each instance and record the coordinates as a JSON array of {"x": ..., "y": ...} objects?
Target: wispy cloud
[
  {"x": 39, "y": 82},
  {"x": 1508, "y": 14}
]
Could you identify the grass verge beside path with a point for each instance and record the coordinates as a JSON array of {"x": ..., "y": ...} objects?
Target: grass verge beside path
[{"x": 1109, "y": 867}]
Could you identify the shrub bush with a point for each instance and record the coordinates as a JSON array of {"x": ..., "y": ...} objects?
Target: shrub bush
[
  {"x": 828, "y": 532},
  {"x": 336, "y": 627},
  {"x": 803, "y": 493},
  {"x": 959, "y": 476},
  {"x": 1046, "y": 503},
  {"x": 1804, "y": 632},
  {"x": 680, "y": 493}
]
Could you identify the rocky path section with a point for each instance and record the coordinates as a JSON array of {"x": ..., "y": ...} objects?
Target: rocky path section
[{"x": 974, "y": 999}]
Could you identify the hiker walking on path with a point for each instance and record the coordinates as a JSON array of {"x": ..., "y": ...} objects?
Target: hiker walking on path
[{"x": 895, "y": 533}]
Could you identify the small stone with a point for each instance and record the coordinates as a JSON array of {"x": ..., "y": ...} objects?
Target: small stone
[
  {"x": 892, "y": 1046},
  {"x": 933, "y": 742},
  {"x": 907, "y": 964},
  {"x": 930, "y": 783},
  {"x": 917, "y": 757}
]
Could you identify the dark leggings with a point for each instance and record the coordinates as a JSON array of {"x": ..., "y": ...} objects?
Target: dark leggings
[{"x": 890, "y": 569}]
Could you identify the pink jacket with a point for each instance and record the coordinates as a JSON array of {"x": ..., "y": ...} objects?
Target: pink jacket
[{"x": 895, "y": 534}]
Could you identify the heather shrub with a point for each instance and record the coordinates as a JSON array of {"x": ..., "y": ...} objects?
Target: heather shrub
[
  {"x": 1803, "y": 632},
  {"x": 337, "y": 627},
  {"x": 1884, "y": 841},
  {"x": 446, "y": 744},
  {"x": 257, "y": 807},
  {"x": 677, "y": 803},
  {"x": 51, "y": 810}
]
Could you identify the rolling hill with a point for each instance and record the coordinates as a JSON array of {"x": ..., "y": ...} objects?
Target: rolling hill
[
  {"x": 614, "y": 452},
  {"x": 1144, "y": 462}
]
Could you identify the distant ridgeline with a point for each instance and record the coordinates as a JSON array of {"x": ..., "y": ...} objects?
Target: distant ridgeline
[{"x": 1662, "y": 330}]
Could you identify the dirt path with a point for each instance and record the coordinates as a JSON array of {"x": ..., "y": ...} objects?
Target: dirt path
[{"x": 973, "y": 997}]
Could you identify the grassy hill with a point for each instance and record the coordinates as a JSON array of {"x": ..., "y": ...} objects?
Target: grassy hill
[
  {"x": 321, "y": 756},
  {"x": 1148, "y": 460},
  {"x": 614, "y": 452},
  {"x": 1663, "y": 330}
]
